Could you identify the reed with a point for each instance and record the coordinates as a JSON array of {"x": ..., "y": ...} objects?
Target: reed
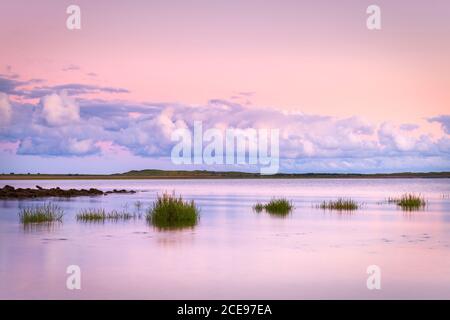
[
  {"x": 411, "y": 202},
  {"x": 100, "y": 215},
  {"x": 280, "y": 206},
  {"x": 339, "y": 205},
  {"x": 47, "y": 212}
]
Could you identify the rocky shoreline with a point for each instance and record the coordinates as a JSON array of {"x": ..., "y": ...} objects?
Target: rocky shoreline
[{"x": 9, "y": 192}]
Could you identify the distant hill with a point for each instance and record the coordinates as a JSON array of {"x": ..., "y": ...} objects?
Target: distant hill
[
  {"x": 186, "y": 173},
  {"x": 204, "y": 174},
  {"x": 237, "y": 174}
]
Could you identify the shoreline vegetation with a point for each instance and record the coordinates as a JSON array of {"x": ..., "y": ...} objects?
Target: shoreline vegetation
[
  {"x": 171, "y": 212},
  {"x": 204, "y": 174},
  {"x": 9, "y": 192}
]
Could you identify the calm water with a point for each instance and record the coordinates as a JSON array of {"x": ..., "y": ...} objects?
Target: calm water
[{"x": 234, "y": 253}]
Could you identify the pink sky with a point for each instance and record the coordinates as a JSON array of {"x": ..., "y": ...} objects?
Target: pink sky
[{"x": 305, "y": 56}]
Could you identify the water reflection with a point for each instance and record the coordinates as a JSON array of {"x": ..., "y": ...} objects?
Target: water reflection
[
  {"x": 175, "y": 238},
  {"x": 232, "y": 252},
  {"x": 42, "y": 226},
  {"x": 172, "y": 226}
]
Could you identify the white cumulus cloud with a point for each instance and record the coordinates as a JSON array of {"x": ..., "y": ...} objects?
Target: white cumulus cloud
[{"x": 59, "y": 109}]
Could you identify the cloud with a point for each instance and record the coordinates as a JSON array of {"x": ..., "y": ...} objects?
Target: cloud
[
  {"x": 72, "y": 89},
  {"x": 71, "y": 67},
  {"x": 409, "y": 127},
  {"x": 394, "y": 139},
  {"x": 63, "y": 123},
  {"x": 145, "y": 129},
  {"x": 77, "y": 88},
  {"x": 9, "y": 85},
  {"x": 444, "y": 120},
  {"x": 53, "y": 147},
  {"x": 59, "y": 109},
  {"x": 5, "y": 109},
  {"x": 12, "y": 86}
]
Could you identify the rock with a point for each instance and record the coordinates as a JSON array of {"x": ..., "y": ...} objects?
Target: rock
[
  {"x": 10, "y": 192},
  {"x": 8, "y": 188}
]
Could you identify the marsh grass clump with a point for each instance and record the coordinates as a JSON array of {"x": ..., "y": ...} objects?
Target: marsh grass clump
[
  {"x": 100, "y": 215},
  {"x": 47, "y": 212},
  {"x": 340, "y": 205},
  {"x": 279, "y": 206},
  {"x": 172, "y": 212},
  {"x": 411, "y": 202},
  {"x": 91, "y": 215}
]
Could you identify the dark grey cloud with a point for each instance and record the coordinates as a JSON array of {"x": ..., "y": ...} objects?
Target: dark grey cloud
[
  {"x": 72, "y": 89},
  {"x": 444, "y": 120},
  {"x": 71, "y": 67},
  {"x": 246, "y": 93},
  {"x": 9, "y": 85},
  {"x": 409, "y": 126},
  {"x": 106, "y": 109},
  {"x": 12, "y": 86}
]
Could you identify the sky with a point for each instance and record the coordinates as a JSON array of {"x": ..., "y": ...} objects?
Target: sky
[{"x": 106, "y": 98}]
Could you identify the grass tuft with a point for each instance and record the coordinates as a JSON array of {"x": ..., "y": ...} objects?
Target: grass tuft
[
  {"x": 91, "y": 215},
  {"x": 172, "y": 212},
  {"x": 340, "y": 205},
  {"x": 100, "y": 215},
  {"x": 279, "y": 206},
  {"x": 47, "y": 212},
  {"x": 409, "y": 202}
]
